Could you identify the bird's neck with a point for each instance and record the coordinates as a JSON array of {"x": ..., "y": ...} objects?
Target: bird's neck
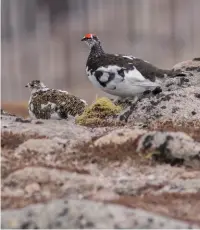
[
  {"x": 40, "y": 89},
  {"x": 96, "y": 51}
]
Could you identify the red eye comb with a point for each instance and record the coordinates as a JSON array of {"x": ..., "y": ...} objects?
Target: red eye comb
[{"x": 88, "y": 35}]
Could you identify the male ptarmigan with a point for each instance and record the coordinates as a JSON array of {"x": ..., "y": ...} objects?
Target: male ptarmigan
[
  {"x": 120, "y": 75},
  {"x": 46, "y": 103}
]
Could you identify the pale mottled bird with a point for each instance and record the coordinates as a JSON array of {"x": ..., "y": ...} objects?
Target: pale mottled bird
[{"x": 46, "y": 103}]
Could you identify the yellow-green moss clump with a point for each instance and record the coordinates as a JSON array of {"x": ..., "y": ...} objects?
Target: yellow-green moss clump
[{"x": 98, "y": 113}]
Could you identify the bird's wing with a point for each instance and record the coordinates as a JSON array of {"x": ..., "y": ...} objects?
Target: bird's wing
[
  {"x": 136, "y": 78},
  {"x": 111, "y": 75},
  {"x": 134, "y": 75},
  {"x": 114, "y": 69},
  {"x": 108, "y": 74}
]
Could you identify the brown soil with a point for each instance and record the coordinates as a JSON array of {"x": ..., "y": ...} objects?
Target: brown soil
[
  {"x": 20, "y": 202},
  {"x": 18, "y": 108},
  {"x": 181, "y": 206},
  {"x": 191, "y": 128},
  {"x": 110, "y": 153},
  {"x": 11, "y": 140}
]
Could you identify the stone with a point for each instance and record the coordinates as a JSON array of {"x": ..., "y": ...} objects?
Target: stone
[
  {"x": 179, "y": 106},
  {"x": 42, "y": 146},
  {"x": 170, "y": 146},
  {"x": 86, "y": 214},
  {"x": 119, "y": 136},
  {"x": 30, "y": 189}
]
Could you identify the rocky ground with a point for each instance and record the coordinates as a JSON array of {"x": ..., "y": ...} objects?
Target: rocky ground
[{"x": 141, "y": 174}]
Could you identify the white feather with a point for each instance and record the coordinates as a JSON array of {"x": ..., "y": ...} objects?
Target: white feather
[
  {"x": 109, "y": 69},
  {"x": 129, "y": 57},
  {"x": 104, "y": 77},
  {"x": 134, "y": 77},
  {"x": 132, "y": 84}
]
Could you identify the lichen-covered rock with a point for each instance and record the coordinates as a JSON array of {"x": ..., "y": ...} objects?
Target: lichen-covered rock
[
  {"x": 60, "y": 182},
  {"x": 64, "y": 129},
  {"x": 98, "y": 113},
  {"x": 178, "y": 105},
  {"x": 39, "y": 145},
  {"x": 3, "y": 112},
  {"x": 62, "y": 214},
  {"x": 171, "y": 147},
  {"x": 189, "y": 65},
  {"x": 167, "y": 147},
  {"x": 191, "y": 68},
  {"x": 119, "y": 136}
]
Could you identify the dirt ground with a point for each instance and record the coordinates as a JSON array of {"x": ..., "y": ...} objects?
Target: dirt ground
[{"x": 18, "y": 108}]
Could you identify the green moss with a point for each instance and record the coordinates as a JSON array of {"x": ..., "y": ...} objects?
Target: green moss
[
  {"x": 150, "y": 155},
  {"x": 98, "y": 113}
]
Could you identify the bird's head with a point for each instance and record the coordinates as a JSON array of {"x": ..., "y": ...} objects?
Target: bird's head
[
  {"x": 35, "y": 85},
  {"x": 90, "y": 40}
]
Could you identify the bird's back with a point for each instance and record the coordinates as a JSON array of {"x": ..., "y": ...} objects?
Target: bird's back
[
  {"x": 148, "y": 70},
  {"x": 46, "y": 102}
]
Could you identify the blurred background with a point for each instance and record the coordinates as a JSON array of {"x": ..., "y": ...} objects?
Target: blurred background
[{"x": 41, "y": 39}]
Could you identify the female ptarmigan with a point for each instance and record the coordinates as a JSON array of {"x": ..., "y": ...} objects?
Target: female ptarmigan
[
  {"x": 46, "y": 103},
  {"x": 120, "y": 75}
]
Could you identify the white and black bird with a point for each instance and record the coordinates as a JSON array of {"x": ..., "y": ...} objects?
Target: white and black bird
[
  {"x": 46, "y": 103},
  {"x": 121, "y": 75}
]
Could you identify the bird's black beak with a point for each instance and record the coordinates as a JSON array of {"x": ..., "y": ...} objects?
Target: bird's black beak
[
  {"x": 83, "y": 39},
  {"x": 26, "y": 85}
]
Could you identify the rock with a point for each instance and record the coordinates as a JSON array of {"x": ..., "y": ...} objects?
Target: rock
[
  {"x": 5, "y": 166},
  {"x": 64, "y": 129},
  {"x": 86, "y": 214},
  {"x": 171, "y": 147},
  {"x": 12, "y": 192},
  {"x": 41, "y": 146},
  {"x": 189, "y": 66},
  {"x": 119, "y": 136},
  {"x": 30, "y": 189},
  {"x": 168, "y": 147},
  {"x": 4, "y": 113},
  {"x": 179, "y": 106},
  {"x": 104, "y": 194},
  {"x": 22, "y": 177},
  {"x": 53, "y": 129},
  {"x": 133, "y": 181},
  {"x": 190, "y": 186},
  {"x": 192, "y": 68},
  {"x": 22, "y": 120},
  {"x": 52, "y": 181}
]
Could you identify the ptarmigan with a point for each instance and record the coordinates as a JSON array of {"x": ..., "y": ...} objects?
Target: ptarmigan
[
  {"x": 46, "y": 103},
  {"x": 120, "y": 75}
]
